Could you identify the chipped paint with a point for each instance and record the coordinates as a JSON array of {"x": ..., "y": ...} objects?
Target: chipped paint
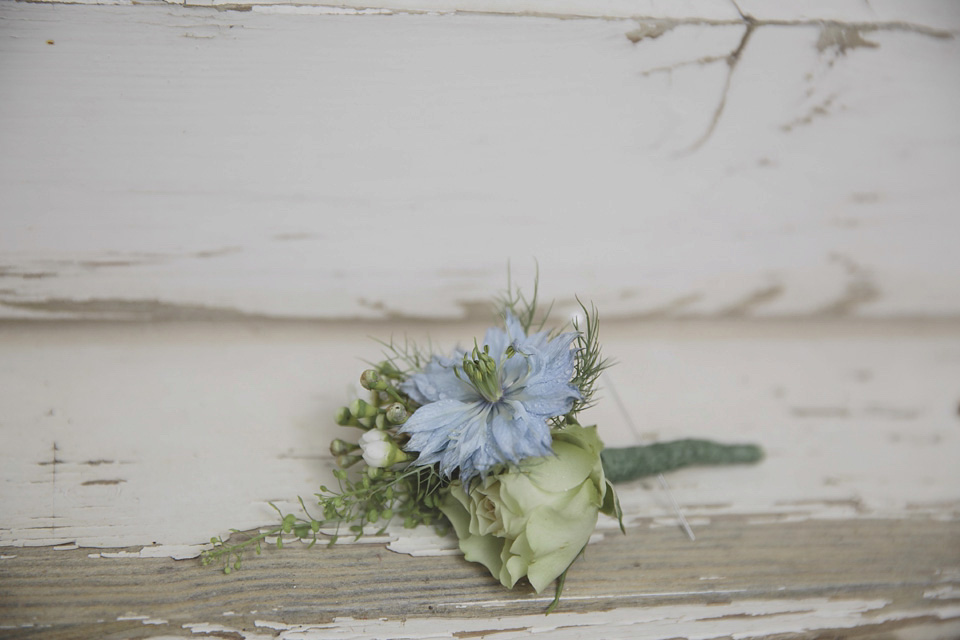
[
  {"x": 946, "y": 592},
  {"x": 649, "y": 30},
  {"x": 810, "y": 472},
  {"x": 691, "y": 122},
  {"x": 842, "y": 38},
  {"x": 748, "y": 618},
  {"x": 174, "y": 551},
  {"x": 147, "y": 620},
  {"x": 677, "y": 103}
]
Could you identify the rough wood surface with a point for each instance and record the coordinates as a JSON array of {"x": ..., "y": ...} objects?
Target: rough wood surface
[
  {"x": 760, "y": 196},
  {"x": 810, "y": 579},
  {"x": 151, "y": 438},
  {"x": 126, "y": 434},
  {"x": 187, "y": 162}
]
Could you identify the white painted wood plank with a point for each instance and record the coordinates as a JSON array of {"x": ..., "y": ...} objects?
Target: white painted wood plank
[
  {"x": 169, "y": 162},
  {"x": 153, "y": 437},
  {"x": 936, "y": 14},
  {"x": 657, "y": 9},
  {"x": 130, "y": 436},
  {"x": 749, "y": 619}
]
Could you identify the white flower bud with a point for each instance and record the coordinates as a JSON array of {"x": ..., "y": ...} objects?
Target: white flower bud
[{"x": 379, "y": 450}]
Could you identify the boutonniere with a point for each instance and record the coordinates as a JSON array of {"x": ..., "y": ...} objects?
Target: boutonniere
[{"x": 485, "y": 441}]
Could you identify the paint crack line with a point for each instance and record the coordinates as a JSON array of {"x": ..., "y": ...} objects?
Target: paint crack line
[{"x": 732, "y": 60}]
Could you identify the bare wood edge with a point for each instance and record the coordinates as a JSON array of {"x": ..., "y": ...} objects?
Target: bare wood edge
[{"x": 906, "y": 571}]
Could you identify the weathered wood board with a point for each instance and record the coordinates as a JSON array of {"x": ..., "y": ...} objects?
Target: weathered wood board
[
  {"x": 808, "y": 579},
  {"x": 138, "y": 442},
  {"x": 217, "y": 203},
  {"x": 696, "y": 159}
]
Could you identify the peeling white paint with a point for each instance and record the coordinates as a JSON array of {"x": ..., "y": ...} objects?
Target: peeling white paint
[
  {"x": 318, "y": 10},
  {"x": 424, "y": 542},
  {"x": 700, "y": 138},
  {"x": 683, "y": 10},
  {"x": 675, "y": 145},
  {"x": 745, "y": 619},
  {"x": 947, "y": 592},
  {"x": 175, "y": 551},
  {"x": 154, "y": 621},
  {"x": 280, "y": 387},
  {"x": 204, "y": 628}
]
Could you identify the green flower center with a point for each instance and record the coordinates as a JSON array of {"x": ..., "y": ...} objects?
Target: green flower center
[{"x": 482, "y": 373}]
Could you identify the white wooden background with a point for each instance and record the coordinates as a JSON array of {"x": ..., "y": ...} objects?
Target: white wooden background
[
  {"x": 218, "y": 205},
  {"x": 186, "y": 162}
]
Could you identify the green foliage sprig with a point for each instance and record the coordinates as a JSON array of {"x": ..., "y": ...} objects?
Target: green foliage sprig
[
  {"x": 589, "y": 363},
  {"x": 377, "y": 496},
  {"x": 374, "y": 496}
]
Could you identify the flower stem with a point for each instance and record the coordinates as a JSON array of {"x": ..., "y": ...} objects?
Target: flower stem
[{"x": 624, "y": 464}]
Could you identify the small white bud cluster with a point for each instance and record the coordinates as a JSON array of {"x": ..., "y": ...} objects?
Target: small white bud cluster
[{"x": 379, "y": 450}]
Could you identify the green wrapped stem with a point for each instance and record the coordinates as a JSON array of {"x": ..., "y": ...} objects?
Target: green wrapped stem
[{"x": 624, "y": 464}]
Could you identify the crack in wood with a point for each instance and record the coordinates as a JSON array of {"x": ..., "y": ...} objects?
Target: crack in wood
[
  {"x": 732, "y": 60},
  {"x": 705, "y": 60},
  {"x": 488, "y": 632},
  {"x": 752, "y": 300},
  {"x": 817, "y": 111},
  {"x": 839, "y": 35}
]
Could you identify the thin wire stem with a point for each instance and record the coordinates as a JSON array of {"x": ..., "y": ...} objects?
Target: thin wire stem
[{"x": 663, "y": 481}]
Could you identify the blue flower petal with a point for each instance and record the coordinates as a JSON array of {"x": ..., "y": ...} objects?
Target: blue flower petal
[
  {"x": 515, "y": 370},
  {"x": 537, "y": 341},
  {"x": 547, "y": 391},
  {"x": 514, "y": 328},
  {"x": 557, "y": 359},
  {"x": 431, "y": 426},
  {"x": 461, "y": 430},
  {"x": 438, "y": 382},
  {"x": 518, "y": 434}
]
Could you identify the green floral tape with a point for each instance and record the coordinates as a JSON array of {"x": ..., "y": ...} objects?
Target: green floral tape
[{"x": 624, "y": 464}]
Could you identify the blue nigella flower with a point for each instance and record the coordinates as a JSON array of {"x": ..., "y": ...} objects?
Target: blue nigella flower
[{"x": 491, "y": 406}]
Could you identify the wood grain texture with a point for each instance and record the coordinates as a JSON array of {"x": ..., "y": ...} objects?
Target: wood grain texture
[
  {"x": 761, "y": 199},
  {"x": 118, "y": 434},
  {"x": 858, "y": 579},
  {"x": 136, "y": 442},
  {"x": 186, "y": 162}
]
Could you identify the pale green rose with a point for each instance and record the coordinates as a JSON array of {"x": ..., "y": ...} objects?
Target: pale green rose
[{"x": 534, "y": 519}]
